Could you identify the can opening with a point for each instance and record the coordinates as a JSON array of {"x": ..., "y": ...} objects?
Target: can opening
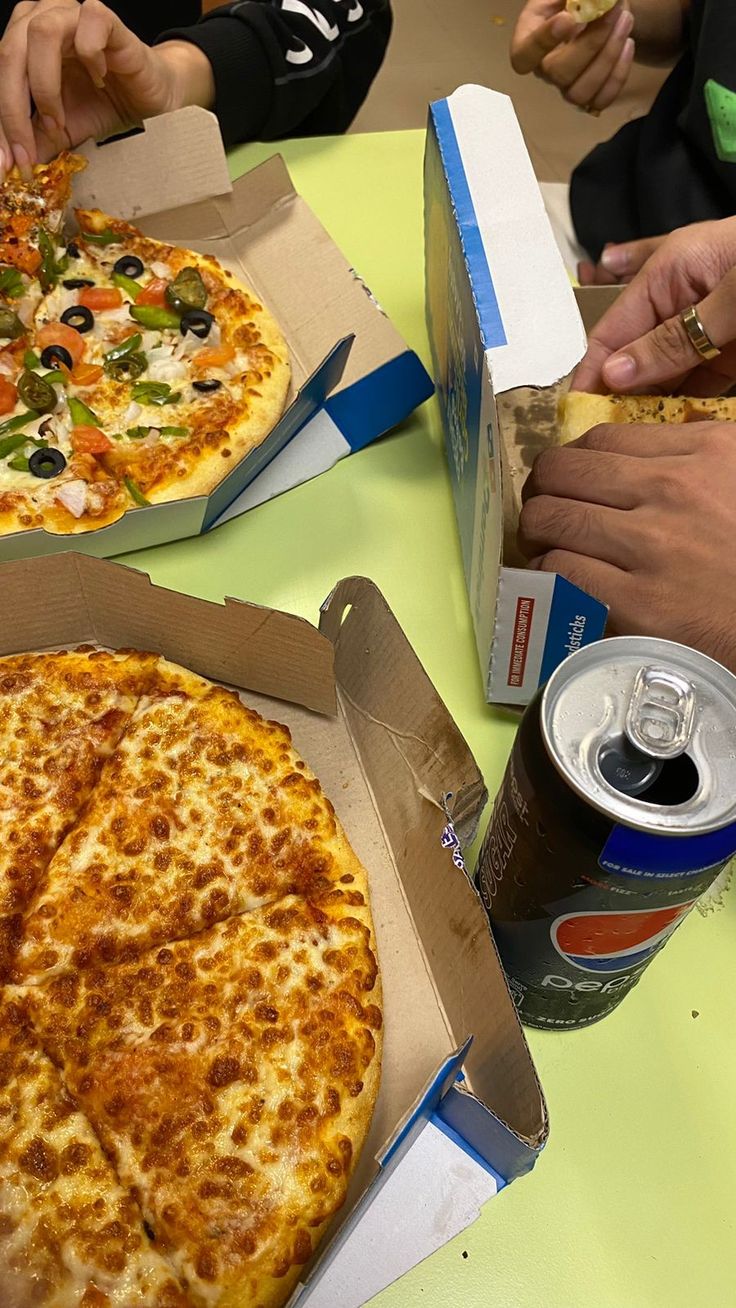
[{"x": 666, "y": 782}]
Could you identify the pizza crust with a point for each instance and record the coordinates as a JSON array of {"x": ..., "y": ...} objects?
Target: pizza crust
[{"x": 579, "y": 411}]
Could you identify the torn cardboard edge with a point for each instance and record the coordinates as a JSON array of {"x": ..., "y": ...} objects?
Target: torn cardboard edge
[
  {"x": 362, "y": 710},
  {"x": 343, "y": 350},
  {"x": 505, "y": 330}
]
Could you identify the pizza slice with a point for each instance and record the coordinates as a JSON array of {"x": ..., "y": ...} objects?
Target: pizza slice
[
  {"x": 586, "y": 11},
  {"x": 232, "y": 1078},
  {"x": 579, "y": 411},
  {"x": 61, "y": 715},
  {"x": 152, "y": 373},
  {"x": 32, "y": 215},
  {"x": 204, "y": 810},
  {"x": 70, "y": 1235}
]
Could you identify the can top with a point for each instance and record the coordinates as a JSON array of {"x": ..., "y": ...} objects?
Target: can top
[{"x": 649, "y": 702}]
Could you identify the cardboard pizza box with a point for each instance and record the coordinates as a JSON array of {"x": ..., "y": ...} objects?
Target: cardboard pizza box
[
  {"x": 353, "y": 377},
  {"x": 506, "y": 330},
  {"x": 460, "y": 1111}
]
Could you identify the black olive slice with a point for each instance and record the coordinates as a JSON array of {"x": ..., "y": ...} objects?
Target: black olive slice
[
  {"x": 198, "y": 322},
  {"x": 79, "y": 317},
  {"x": 207, "y": 384},
  {"x": 72, "y": 250},
  {"x": 128, "y": 265},
  {"x": 77, "y": 283},
  {"x": 54, "y": 354},
  {"x": 46, "y": 463}
]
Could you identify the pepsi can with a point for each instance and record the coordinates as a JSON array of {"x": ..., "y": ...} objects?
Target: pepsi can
[{"x": 617, "y": 810}]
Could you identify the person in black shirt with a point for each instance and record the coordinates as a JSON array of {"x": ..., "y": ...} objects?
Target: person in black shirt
[
  {"x": 268, "y": 68},
  {"x": 676, "y": 165}
]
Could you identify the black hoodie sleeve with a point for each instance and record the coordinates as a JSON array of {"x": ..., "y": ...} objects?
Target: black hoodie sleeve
[{"x": 290, "y": 67}]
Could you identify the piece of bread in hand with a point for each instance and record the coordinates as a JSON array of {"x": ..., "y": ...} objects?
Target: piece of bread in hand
[
  {"x": 578, "y": 411},
  {"x": 586, "y": 11}
]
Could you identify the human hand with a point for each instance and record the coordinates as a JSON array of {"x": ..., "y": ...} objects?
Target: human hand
[
  {"x": 88, "y": 76},
  {"x": 619, "y": 263},
  {"x": 643, "y": 518},
  {"x": 640, "y": 345},
  {"x": 589, "y": 64}
]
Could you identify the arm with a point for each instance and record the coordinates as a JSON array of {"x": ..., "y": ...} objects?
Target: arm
[
  {"x": 659, "y": 29},
  {"x": 300, "y": 71}
]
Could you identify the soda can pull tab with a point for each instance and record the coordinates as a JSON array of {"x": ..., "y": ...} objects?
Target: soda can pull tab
[{"x": 661, "y": 713}]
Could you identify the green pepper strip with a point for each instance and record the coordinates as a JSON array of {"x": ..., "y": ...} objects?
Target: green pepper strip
[
  {"x": 128, "y": 347},
  {"x": 31, "y": 360},
  {"x": 154, "y": 318},
  {"x": 56, "y": 377},
  {"x": 151, "y": 392},
  {"x": 101, "y": 238},
  {"x": 81, "y": 414},
  {"x": 139, "y": 433},
  {"x": 19, "y": 463},
  {"x": 20, "y": 420},
  {"x": 12, "y": 443},
  {"x": 11, "y": 282},
  {"x": 135, "y": 493},
  {"x": 128, "y": 284},
  {"x": 51, "y": 267}
]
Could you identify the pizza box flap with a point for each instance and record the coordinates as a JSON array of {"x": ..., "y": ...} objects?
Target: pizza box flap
[
  {"x": 423, "y": 774},
  {"x": 174, "y": 159},
  {"x": 80, "y": 599}
]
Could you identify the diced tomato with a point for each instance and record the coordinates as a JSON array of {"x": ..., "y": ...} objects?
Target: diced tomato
[
  {"x": 213, "y": 356},
  {"x": 57, "y": 333},
  {"x": 153, "y": 293},
  {"x": 85, "y": 374},
  {"x": 90, "y": 440},
  {"x": 8, "y": 395},
  {"x": 98, "y": 298}
]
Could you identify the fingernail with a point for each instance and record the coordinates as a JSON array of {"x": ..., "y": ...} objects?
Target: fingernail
[
  {"x": 615, "y": 259},
  {"x": 624, "y": 23},
  {"x": 23, "y": 160},
  {"x": 619, "y": 370}
]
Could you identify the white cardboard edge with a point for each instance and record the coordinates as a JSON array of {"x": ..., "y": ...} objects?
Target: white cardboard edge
[
  {"x": 317, "y": 447},
  {"x": 544, "y": 330},
  {"x": 436, "y": 1191}
]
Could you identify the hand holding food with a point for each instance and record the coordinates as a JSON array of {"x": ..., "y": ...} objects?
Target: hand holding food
[
  {"x": 643, "y": 519},
  {"x": 589, "y": 62},
  {"x": 641, "y": 344},
  {"x": 87, "y": 76}
]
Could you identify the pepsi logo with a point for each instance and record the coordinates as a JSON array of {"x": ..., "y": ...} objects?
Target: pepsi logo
[{"x": 614, "y": 942}]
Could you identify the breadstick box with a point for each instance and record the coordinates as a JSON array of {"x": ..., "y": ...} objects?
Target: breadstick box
[
  {"x": 506, "y": 331},
  {"x": 460, "y": 1113},
  {"x": 352, "y": 375}
]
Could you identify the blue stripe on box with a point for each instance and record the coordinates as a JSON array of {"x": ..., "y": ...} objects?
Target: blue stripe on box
[
  {"x": 575, "y": 620},
  {"x": 484, "y": 293},
  {"x": 376, "y": 403},
  {"x": 458, "y": 1140},
  {"x": 439, "y": 1085}
]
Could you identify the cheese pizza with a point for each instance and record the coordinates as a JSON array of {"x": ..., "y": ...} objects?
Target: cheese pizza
[
  {"x": 132, "y": 372},
  {"x": 191, "y": 978}
]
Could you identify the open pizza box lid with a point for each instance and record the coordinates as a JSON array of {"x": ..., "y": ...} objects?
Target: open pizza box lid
[
  {"x": 506, "y": 329},
  {"x": 353, "y": 377},
  {"x": 460, "y": 1111}
]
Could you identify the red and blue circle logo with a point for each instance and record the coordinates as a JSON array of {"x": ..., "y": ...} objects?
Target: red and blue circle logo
[{"x": 614, "y": 942}]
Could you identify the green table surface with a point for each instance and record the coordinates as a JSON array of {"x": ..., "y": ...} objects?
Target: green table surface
[{"x": 631, "y": 1205}]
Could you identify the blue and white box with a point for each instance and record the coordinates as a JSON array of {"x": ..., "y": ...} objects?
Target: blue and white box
[{"x": 506, "y": 330}]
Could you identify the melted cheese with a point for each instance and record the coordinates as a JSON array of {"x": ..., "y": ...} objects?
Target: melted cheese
[
  {"x": 70, "y": 1235},
  {"x": 204, "y": 810},
  {"x": 228, "y": 1071},
  {"x": 225, "y": 1074}
]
